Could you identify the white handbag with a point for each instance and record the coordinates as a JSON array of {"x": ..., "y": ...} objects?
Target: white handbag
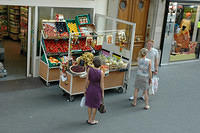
[{"x": 82, "y": 103}]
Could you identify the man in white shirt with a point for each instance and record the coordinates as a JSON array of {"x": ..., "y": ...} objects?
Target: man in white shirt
[{"x": 154, "y": 57}]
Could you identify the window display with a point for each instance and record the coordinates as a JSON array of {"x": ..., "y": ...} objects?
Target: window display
[{"x": 183, "y": 45}]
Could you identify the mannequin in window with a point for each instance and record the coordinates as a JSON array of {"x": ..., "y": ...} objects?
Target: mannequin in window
[
  {"x": 182, "y": 40},
  {"x": 186, "y": 21}
]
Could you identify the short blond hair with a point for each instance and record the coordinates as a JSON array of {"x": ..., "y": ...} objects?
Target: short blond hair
[
  {"x": 150, "y": 41},
  {"x": 143, "y": 52}
]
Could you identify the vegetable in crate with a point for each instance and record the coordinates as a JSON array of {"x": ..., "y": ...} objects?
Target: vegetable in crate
[
  {"x": 77, "y": 69},
  {"x": 61, "y": 27},
  {"x": 73, "y": 28},
  {"x": 53, "y": 60}
]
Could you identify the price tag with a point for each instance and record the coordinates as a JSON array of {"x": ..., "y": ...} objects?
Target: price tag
[
  {"x": 100, "y": 40},
  {"x": 109, "y": 39},
  {"x": 89, "y": 40}
]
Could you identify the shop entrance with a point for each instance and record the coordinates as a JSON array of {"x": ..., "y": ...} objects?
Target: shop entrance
[
  {"x": 181, "y": 34},
  {"x": 13, "y": 41}
]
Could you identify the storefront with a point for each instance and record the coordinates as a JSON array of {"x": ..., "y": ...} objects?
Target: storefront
[
  {"x": 181, "y": 33},
  {"x": 39, "y": 10}
]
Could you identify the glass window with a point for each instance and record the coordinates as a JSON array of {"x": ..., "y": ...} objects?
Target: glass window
[{"x": 184, "y": 44}]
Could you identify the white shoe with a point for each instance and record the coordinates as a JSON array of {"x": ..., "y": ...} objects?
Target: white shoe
[{"x": 131, "y": 98}]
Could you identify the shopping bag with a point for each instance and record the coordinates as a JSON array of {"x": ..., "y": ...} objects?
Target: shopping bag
[
  {"x": 154, "y": 84},
  {"x": 82, "y": 103}
]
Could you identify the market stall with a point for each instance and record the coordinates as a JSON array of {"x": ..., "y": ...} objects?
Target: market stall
[{"x": 66, "y": 55}]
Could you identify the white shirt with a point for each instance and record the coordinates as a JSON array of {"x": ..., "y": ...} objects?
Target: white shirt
[{"x": 152, "y": 55}]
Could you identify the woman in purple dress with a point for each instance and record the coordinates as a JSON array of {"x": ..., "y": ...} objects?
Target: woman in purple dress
[{"x": 94, "y": 90}]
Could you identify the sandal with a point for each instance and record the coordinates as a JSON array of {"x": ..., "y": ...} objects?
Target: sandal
[
  {"x": 92, "y": 123},
  {"x": 88, "y": 122},
  {"x": 132, "y": 104},
  {"x": 147, "y": 107},
  {"x": 95, "y": 122}
]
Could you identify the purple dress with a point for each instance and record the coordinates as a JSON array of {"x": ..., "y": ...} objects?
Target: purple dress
[{"x": 93, "y": 92}]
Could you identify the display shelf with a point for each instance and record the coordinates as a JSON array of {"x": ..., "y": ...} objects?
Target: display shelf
[
  {"x": 72, "y": 27},
  {"x": 23, "y": 29},
  {"x": 14, "y": 22},
  {"x": 48, "y": 74},
  {"x": 4, "y": 21},
  {"x": 51, "y": 31}
]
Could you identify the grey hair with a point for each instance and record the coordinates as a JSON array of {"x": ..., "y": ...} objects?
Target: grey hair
[
  {"x": 97, "y": 62},
  {"x": 143, "y": 52}
]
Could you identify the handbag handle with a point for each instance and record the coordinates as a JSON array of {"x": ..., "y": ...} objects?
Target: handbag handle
[{"x": 102, "y": 100}]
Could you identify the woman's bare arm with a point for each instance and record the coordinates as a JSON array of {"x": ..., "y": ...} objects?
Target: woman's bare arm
[
  {"x": 102, "y": 83},
  {"x": 86, "y": 81}
]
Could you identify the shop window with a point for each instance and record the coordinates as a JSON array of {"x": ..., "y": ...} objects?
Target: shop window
[{"x": 183, "y": 43}]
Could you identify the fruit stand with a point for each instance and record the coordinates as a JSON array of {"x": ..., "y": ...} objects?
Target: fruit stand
[
  {"x": 55, "y": 44},
  {"x": 72, "y": 52},
  {"x": 52, "y": 48},
  {"x": 115, "y": 57}
]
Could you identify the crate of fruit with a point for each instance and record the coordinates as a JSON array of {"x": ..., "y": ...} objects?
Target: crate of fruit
[
  {"x": 83, "y": 19},
  {"x": 72, "y": 27},
  {"x": 54, "y": 30},
  {"x": 53, "y": 61}
]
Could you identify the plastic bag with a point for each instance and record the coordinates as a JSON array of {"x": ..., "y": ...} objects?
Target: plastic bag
[
  {"x": 154, "y": 84},
  {"x": 82, "y": 103}
]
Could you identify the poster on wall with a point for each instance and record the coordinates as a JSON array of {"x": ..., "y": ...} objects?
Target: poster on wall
[{"x": 109, "y": 39}]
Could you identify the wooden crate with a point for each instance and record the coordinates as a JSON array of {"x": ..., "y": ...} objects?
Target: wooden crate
[
  {"x": 114, "y": 79},
  {"x": 54, "y": 73},
  {"x": 66, "y": 84}
]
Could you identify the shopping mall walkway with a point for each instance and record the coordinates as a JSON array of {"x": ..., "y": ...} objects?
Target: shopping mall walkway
[{"x": 30, "y": 107}]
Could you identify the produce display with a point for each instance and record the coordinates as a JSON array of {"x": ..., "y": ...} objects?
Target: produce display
[
  {"x": 83, "y": 19},
  {"x": 3, "y": 21},
  {"x": 55, "y": 30},
  {"x": 23, "y": 29},
  {"x": 61, "y": 27},
  {"x": 98, "y": 47},
  {"x": 113, "y": 62},
  {"x": 73, "y": 28},
  {"x": 83, "y": 46},
  {"x": 53, "y": 60},
  {"x": 53, "y": 46},
  {"x": 77, "y": 69},
  {"x": 87, "y": 57},
  {"x": 14, "y": 22},
  {"x": 49, "y": 30},
  {"x": 104, "y": 68}
]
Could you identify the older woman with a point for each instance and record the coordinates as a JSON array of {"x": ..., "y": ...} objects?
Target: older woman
[
  {"x": 94, "y": 90},
  {"x": 143, "y": 77}
]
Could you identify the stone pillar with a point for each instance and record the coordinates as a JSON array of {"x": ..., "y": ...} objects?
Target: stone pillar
[{"x": 156, "y": 16}]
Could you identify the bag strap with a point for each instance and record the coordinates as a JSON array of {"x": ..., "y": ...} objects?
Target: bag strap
[{"x": 102, "y": 101}]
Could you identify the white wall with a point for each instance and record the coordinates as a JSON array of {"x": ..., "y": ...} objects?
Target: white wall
[
  {"x": 51, "y": 3},
  {"x": 101, "y": 7}
]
